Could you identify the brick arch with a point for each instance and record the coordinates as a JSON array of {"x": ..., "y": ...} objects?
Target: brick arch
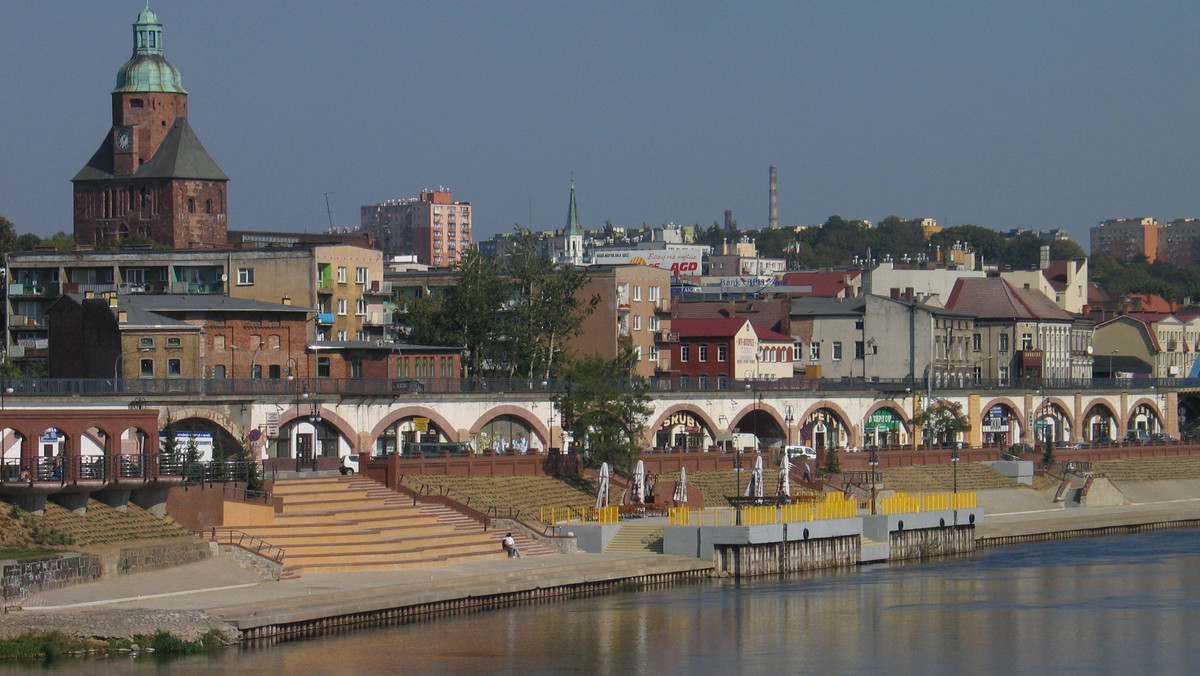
[
  {"x": 1133, "y": 406},
  {"x": 852, "y": 440},
  {"x": 896, "y": 408},
  {"x": 231, "y": 427},
  {"x": 524, "y": 414},
  {"x": 762, "y": 407},
  {"x": 413, "y": 412},
  {"x": 649, "y": 431},
  {"x": 1100, "y": 403},
  {"x": 344, "y": 428}
]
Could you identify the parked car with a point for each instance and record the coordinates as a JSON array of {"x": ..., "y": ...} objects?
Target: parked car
[
  {"x": 349, "y": 465},
  {"x": 1137, "y": 437},
  {"x": 1163, "y": 437},
  {"x": 801, "y": 453}
]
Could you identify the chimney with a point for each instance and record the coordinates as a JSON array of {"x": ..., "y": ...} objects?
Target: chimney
[
  {"x": 729, "y": 219},
  {"x": 773, "y": 221},
  {"x": 1044, "y": 257},
  {"x": 895, "y": 293}
]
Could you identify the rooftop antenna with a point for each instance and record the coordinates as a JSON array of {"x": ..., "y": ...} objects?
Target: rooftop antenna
[{"x": 328, "y": 211}]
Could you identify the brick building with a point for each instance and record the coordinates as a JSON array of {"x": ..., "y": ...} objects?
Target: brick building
[
  {"x": 1127, "y": 238},
  {"x": 151, "y": 176}
]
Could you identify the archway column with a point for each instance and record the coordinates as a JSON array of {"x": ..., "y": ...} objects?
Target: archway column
[
  {"x": 1171, "y": 414},
  {"x": 1077, "y": 427},
  {"x": 975, "y": 420}
]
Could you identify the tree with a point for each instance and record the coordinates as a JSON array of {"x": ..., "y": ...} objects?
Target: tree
[
  {"x": 605, "y": 407},
  {"x": 941, "y": 421},
  {"x": 470, "y": 312},
  {"x": 8, "y": 236}
]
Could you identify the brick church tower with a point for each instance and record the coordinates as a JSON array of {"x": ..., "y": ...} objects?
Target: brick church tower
[{"x": 151, "y": 176}]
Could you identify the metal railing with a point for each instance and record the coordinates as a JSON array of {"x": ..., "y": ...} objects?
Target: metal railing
[
  {"x": 125, "y": 466},
  {"x": 401, "y": 387},
  {"x": 250, "y": 543}
]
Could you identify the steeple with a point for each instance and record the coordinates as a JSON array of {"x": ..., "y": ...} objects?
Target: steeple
[
  {"x": 148, "y": 70},
  {"x": 572, "y": 216}
]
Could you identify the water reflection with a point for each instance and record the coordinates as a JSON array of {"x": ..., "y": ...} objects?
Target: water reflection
[{"x": 1111, "y": 605}]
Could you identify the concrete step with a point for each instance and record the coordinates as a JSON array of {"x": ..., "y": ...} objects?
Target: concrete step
[
  {"x": 368, "y": 566},
  {"x": 637, "y": 538}
]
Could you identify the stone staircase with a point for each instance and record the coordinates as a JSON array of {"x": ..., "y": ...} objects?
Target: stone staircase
[
  {"x": 632, "y": 539},
  {"x": 351, "y": 524}
]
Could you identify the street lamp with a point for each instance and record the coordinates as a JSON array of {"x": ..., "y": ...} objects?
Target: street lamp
[
  {"x": 873, "y": 461},
  {"x": 954, "y": 463},
  {"x": 254, "y": 354},
  {"x": 1110, "y": 363}
]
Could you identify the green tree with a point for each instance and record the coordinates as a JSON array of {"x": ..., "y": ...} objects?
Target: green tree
[
  {"x": 941, "y": 422},
  {"x": 605, "y": 407},
  {"x": 8, "y": 236},
  {"x": 470, "y": 311}
]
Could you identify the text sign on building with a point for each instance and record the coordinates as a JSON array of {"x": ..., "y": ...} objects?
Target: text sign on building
[
  {"x": 678, "y": 261},
  {"x": 186, "y": 442},
  {"x": 421, "y": 424},
  {"x": 272, "y": 424}
]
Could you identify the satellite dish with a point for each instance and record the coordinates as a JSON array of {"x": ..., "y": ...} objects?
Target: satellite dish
[{"x": 1089, "y": 349}]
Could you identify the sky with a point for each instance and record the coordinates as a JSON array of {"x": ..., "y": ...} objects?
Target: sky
[{"x": 1017, "y": 114}]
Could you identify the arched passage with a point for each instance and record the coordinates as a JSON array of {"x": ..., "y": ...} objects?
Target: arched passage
[
  {"x": 686, "y": 427},
  {"x": 826, "y": 426},
  {"x": 1000, "y": 424}
]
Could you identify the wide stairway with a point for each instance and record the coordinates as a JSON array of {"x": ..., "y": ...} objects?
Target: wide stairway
[
  {"x": 631, "y": 539},
  {"x": 351, "y": 524}
]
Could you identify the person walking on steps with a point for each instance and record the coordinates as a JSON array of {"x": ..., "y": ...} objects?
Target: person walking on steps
[{"x": 510, "y": 546}]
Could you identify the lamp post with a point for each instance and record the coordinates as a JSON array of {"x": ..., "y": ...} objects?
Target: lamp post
[
  {"x": 873, "y": 461},
  {"x": 954, "y": 463},
  {"x": 254, "y": 354},
  {"x": 1110, "y": 364}
]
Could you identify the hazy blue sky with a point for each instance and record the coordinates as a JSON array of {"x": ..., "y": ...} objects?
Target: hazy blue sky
[{"x": 1046, "y": 114}]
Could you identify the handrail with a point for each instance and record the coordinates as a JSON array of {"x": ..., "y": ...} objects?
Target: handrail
[
  {"x": 246, "y": 541},
  {"x": 489, "y": 510}
]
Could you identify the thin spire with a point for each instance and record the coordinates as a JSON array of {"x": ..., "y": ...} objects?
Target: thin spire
[{"x": 573, "y": 213}]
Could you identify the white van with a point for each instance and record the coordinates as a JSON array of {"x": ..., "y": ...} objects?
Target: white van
[{"x": 795, "y": 453}]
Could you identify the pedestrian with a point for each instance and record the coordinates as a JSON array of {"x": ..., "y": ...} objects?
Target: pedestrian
[
  {"x": 510, "y": 546},
  {"x": 56, "y": 472},
  {"x": 807, "y": 472}
]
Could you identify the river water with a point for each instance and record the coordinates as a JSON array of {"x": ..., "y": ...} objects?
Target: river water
[{"x": 1121, "y": 605}]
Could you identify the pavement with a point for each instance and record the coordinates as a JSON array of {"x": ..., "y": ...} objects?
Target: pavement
[{"x": 235, "y": 595}]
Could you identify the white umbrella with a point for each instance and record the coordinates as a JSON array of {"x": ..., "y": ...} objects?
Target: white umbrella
[
  {"x": 602, "y": 496},
  {"x": 756, "y": 478},
  {"x": 681, "y": 487},
  {"x": 785, "y": 475},
  {"x": 638, "y": 491}
]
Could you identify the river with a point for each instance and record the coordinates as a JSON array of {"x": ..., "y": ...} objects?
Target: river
[{"x": 1125, "y": 604}]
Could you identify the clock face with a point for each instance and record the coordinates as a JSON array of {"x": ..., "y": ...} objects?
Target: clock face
[{"x": 124, "y": 139}]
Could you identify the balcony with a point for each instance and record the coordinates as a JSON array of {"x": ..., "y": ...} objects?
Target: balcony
[
  {"x": 32, "y": 290},
  {"x": 325, "y": 318},
  {"x": 663, "y": 305},
  {"x": 665, "y": 336},
  {"x": 663, "y": 365},
  {"x": 378, "y": 288}
]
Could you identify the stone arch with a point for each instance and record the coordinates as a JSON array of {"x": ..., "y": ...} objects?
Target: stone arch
[
  {"x": 1151, "y": 406},
  {"x": 1097, "y": 426},
  {"x": 398, "y": 414},
  {"x": 838, "y": 412},
  {"x": 1004, "y": 430},
  {"x": 759, "y": 411},
  {"x": 537, "y": 426},
  {"x": 330, "y": 417},
  {"x": 899, "y": 414},
  {"x": 1052, "y": 416},
  {"x": 232, "y": 427},
  {"x": 651, "y": 431}
]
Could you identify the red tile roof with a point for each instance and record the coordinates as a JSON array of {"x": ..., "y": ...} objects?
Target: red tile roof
[{"x": 707, "y": 327}]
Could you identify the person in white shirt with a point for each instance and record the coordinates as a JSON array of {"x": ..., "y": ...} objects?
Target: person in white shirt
[{"x": 510, "y": 546}]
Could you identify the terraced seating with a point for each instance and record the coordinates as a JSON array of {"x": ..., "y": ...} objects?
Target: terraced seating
[
  {"x": 347, "y": 524},
  {"x": 1150, "y": 469},
  {"x": 716, "y": 485},
  {"x": 529, "y": 493},
  {"x": 972, "y": 476},
  {"x": 104, "y": 525}
]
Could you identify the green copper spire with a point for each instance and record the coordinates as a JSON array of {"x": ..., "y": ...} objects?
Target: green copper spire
[
  {"x": 148, "y": 70},
  {"x": 572, "y": 216}
]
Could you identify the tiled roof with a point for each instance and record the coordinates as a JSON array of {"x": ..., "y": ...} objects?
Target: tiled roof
[
  {"x": 708, "y": 327},
  {"x": 994, "y": 298},
  {"x": 814, "y": 306},
  {"x": 824, "y": 284},
  {"x": 768, "y": 334}
]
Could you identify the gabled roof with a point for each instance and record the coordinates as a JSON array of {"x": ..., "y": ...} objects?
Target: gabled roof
[
  {"x": 768, "y": 334},
  {"x": 994, "y": 298},
  {"x": 761, "y": 312},
  {"x": 826, "y": 284},
  {"x": 708, "y": 327},
  {"x": 181, "y": 155},
  {"x": 1096, "y": 294}
]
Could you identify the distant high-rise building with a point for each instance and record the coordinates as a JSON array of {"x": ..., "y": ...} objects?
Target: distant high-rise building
[
  {"x": 434, "y": 227},
  {"x": 151, "y": 176},
  {"x": 1127, "y": 238}
]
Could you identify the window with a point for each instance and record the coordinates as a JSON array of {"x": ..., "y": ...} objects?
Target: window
[
  {"x": 356, "y": 367},
  {"x": 174, "y": 343},
  {"x": 637, "y": 353},
  {"x": 145, "y": 343},
  {"x": 1003, "y": 375},
  {"x": 360, "y": 275},
  {"x": 174, "y": 368},
  {"x": 814, "y": 351},
  {"x": 245, "y": 276},
  {"x": 256, "y": 371},
  {"x": 219, "y": 372},
  {"x": 704, "y": 352},
  {"x": 685, "y": 353},
  {"x": 341, "y": 305},
  {"x": 653, "y": 292},
  {"x": 702, "y": 382},
  {"x": 341, "y": 335},
  {"x": 1026, "y": 341},
  {"x": 722, "y": 352},
  {"x": 654, "y": 353},
  {"x": 322, "y": 367},
  {"x": 683, "y": 381},
  {"x": 637, "y": 323},
  {"x": 360, "y": 307},
  {"x": 637, "y": 292},
  {"x": 191, "y": 206},
  {"x": 361, "y": 335},
  {"x": 721, "y": 382},
  {"x": 859, "y": 350},
  {"x": 837, "y": 350},
  {"x": 146, "y": 368},
  {"x": 976, "y": 342},
  {"x": 797, "y": 352},
  {"x": 341, "y": 274},
  {"x": 274, "y": 372},
  {"x": 1003, "y": 342}
]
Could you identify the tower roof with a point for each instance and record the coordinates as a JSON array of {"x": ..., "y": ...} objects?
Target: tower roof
[
  {"x": 181, "y": 155},
  {"x": 148, "y": 70},
  {"x": 572, "y": 216}
]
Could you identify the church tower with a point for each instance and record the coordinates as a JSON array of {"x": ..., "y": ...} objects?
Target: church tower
[
  {"x": 572, "y": 234},
  {"x": 151, "y": 176}
]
